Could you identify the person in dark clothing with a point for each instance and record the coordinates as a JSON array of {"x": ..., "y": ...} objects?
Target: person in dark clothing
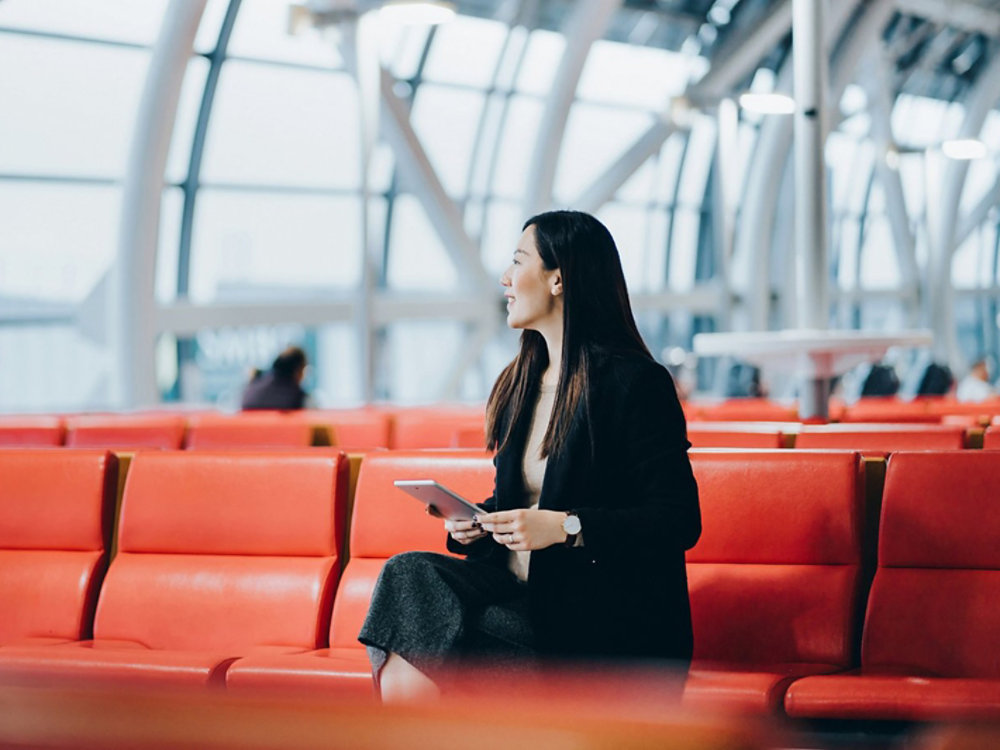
[
  {"x": 579, "y": 552},
  {"x": 280, "y": 387}
]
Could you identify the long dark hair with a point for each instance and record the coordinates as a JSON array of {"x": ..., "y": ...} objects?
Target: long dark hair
[{"x": 596, "y": 316}]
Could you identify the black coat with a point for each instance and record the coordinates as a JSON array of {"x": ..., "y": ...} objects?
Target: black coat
[{"x": 623, "y": 594}]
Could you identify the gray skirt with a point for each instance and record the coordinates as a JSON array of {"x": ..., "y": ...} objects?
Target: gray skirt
[{"x": 435, "y": 610}]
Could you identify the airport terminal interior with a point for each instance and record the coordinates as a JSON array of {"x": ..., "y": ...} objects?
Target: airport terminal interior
[{"x": 196, "y": 195}]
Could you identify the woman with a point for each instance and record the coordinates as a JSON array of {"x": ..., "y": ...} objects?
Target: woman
[{"x": 579, "y": 552}]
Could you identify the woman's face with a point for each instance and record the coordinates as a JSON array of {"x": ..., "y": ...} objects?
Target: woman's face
[{"x": 534, "y": 293}]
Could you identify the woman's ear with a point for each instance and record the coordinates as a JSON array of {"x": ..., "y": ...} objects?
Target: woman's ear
[{"x": 556, "y": 285}]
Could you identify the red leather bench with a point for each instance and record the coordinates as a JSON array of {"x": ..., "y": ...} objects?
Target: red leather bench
[
  {"x": 220, "y": 555},
  {"x": 250, "y": 431},
  {"x": 55, "y": 525},
  {"x": 32, "y": 431},
  {"x": 883, "y": 437},
  {"x": 929, "y": 649},
  {"x": 741, "y": 434},
  {"x": 126, "y": 431},
  {"x": 437, "y": 427},
  {"x": 776, "y": 578},
  {"x": 386, "y": 521}
]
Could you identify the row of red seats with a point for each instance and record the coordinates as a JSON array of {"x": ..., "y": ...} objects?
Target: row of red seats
[
  {"x": 366, "y": 429},
  {"x": 852, "y": 436},
  {"x": 229, "y": 572},
  {"x": 359, "y": 429},
  {"x": 924, "y": 409}
]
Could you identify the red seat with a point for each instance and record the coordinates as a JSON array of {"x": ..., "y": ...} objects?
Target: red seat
[
  {"x": 251, "y": 430},
  {"x": 357, "y": 429},
  {"x": 991, "y": 438},
  {"x": 890, "y": 409},
  {"x": 746, "y": 410},
  {"x": 883, "y": 437},
  {"x": 386, "y": 521},
  {"x": 776, "y": 577},
  {"x": 31, "y": 431},
  {"x": 220, "y": 555},
  {"x": 435, "y": 427},
  {"x": 126, "y": 431},
  {"x": 741, "y": 434},
  {"x": 55, "y": 525},
  {"x": 929, "y": 649}
]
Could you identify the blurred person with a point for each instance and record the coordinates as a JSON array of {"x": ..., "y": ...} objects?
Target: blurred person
[
  {"x": 881, "y": 380},
  {"x": 579, "y": 552},
  {"x": 937, "y": 380},
  {"x": 280, "y": 387},
  {"x": 976, "y": 385},
  {"x": 744, "y": 381}
]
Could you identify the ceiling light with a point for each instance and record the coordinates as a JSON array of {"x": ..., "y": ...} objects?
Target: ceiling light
[
  {"x": 417, "y": 12},
  {"x": 964, "y": 148},
  {"x": 768, "y": 104}
]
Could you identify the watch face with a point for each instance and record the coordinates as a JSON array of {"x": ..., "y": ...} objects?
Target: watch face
[{"x": 572, "y": 525}]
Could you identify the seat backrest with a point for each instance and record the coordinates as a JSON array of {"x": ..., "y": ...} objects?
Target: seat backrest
[
  {"x": 739, "y": 434},
  {"x": 250, "y": 430},
  {"x": 934, "y": 606},
  {"x": 356, "y": 429},
  {"x": 55, "y": 526},
  {"x": 32, "y": 431},
  {"x": 126, "y": 431},
  {"x": 776, "y": 574},
  {"x": 889, "y": 409},
  {"x": 991, "y": 438},
  {"x": 747, "y": 410},
  {"x": 434, "y": 427},
  {"x": 882, "y": 437},
  {"x": 226, "y": 550},
  {"x": 387, "y": 521}
]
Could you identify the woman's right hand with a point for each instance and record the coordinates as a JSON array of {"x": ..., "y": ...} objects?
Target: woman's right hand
[{"x": 464, "y": 532}]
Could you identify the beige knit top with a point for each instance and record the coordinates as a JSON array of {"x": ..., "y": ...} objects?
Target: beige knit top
[{"x": 533, "y": 468}]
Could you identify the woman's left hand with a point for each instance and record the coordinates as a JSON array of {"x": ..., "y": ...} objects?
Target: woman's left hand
[{"x": 525, "y": 529}]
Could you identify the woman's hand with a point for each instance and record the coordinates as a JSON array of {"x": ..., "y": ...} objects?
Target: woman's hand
[
  {"x": 464, "y": 532},
  {"x": 525, "y": 529}
]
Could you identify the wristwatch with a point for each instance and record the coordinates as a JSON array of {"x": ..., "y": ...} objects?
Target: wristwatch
[{"x": 571, "y": 525}]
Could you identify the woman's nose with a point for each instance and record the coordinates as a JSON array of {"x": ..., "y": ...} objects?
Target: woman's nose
[{"x": 505, "y": 278}]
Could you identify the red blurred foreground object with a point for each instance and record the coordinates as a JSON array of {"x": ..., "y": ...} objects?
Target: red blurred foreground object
[{"x": 574, "y": 710}]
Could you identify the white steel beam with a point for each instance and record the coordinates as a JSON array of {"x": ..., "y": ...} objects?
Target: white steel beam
[
  {"x": 959, "y": 14},
  {"x": 184, "y": 318},
  {"x": 880, "y": 101},
  {"x": 940, "y": 311},
  {"x": 978, "y": 214},
  {"x": 442, "y": 211},
  {"x": 755, "y": 235},
  {"x": 586, "y": 23},
  {"x": 739, "y": 54},
  {"x": 132, "y": 312},
  {"x": 735, "y": 60}
]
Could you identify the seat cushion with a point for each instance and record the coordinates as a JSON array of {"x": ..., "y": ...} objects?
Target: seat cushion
[
  {"x": 895, "y": 697},
  {"x": 742, "y": 687},
  {"x": 342, "y": 671},
  {"x": 111, "y": 662}
]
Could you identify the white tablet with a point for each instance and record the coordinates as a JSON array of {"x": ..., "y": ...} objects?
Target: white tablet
[{"x": 448, "y": 503}]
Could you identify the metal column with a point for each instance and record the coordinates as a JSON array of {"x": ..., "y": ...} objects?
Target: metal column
[{"x": 809, "y": 56}]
